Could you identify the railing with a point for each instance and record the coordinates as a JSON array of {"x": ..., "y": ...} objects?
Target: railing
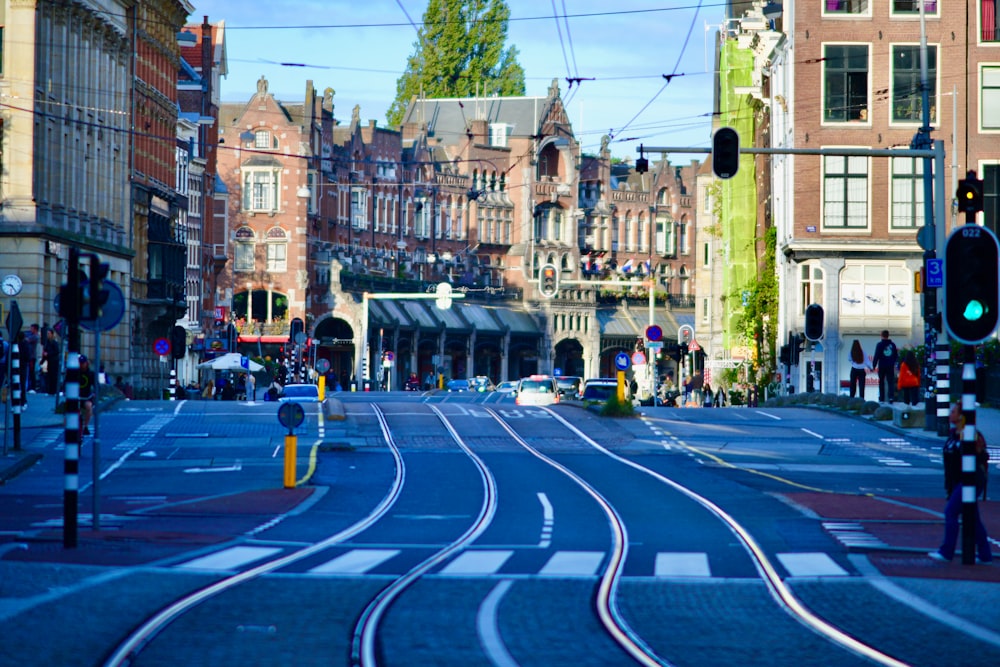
[{"x": 355, "y": 282}]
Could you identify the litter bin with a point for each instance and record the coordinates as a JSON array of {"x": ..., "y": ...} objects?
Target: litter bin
[{"x": 368, "y": 385}]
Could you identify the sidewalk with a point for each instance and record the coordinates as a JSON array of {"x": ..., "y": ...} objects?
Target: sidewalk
[{"x": 40, "y": 413}]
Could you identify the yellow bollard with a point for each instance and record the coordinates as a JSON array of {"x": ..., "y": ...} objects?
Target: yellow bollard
[
  {"x": 291, "y": 452},
  {"x": 621, "y": 386},
  {"x": 322, "y": 387}
]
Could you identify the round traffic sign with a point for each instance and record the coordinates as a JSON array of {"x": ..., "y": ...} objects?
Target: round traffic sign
[
  {"x": 161, "y": 346},
  {"x": 322, "y": 365},
  {"x": 291, "y": 415},
  {"x": 621, "y": 361},
  {"x": 654, "y": 333},
  {"x": 638, "y": 358}
]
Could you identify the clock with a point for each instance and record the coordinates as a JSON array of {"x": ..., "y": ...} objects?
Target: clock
[{"x": 11, "y": 285}]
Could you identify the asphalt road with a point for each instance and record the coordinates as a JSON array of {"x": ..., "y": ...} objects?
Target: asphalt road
[{"x": 462, "y": 529}]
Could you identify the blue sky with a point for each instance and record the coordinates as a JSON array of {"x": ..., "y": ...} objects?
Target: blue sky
[{"x": 359, "y": 48}]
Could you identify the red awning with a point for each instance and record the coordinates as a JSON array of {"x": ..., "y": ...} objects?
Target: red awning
[{"x": 263, "y": 339}]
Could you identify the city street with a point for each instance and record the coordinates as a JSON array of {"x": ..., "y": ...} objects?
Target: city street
[{"x": 460, "y": 528}]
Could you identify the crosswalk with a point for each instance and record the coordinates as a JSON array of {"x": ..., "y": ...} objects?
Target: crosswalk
[{"x": 498, "y": 562}]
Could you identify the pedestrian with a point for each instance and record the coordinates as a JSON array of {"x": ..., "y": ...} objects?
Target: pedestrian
[
  {"x": 429, "y": 381},
  {"x": 909, "y": 378},
  {"x": 50, "y": 359},
  {"x": 251, "y": 388},
  {"x": 33, "y": 339},
  {"x": 88, "y": 394},
  {"x": 952, "y": 458},
  {"x": 859, "y": 369},
  {"x": 886, "y": 357},
  {"x": 720, "y": 397},
  {"x": 697, "y": 384},
  {"x": 709, "y": 396}
]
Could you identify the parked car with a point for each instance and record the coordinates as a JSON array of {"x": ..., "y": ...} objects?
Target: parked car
[
  {"x": 536, "y": 390},
  {"x": 570, "y": 386},
  {"x": 458, "y": 385},
  {"x": 599, "y": 389},
  {"x": 299, "y": 393}
]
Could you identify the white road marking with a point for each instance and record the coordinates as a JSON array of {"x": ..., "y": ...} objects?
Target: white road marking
[
  {"x": 477, "y": 563},
  {"x": 548, "y": 521},
  {"x": 229, "y": 559},
  {"x": 572, "y": 564},
  {"x": 811, "y": 565},
  {"x": 815, "y": 435},
  {"x": 489, "y": 630},
  {"x": 682, "y": 565},
  {"x": 356, "y": 561}
]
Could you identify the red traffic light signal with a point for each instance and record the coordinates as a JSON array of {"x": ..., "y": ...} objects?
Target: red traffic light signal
[
  {"x": 971, "y": 284},
  {"x": 548, "y": 281},
  {"x": 725, "y": 152}
]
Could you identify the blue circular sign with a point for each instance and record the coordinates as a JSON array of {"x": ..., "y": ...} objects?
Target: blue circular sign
[
  {"x": 622, "y": 361},
  {"x": 161, "y": 346},
  {"x": 654, "y": 333}
]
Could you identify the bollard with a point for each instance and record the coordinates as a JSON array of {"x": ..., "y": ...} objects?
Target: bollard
[
  {"x": 291, "y": 447},
  {"x": 173, "y": 384},
  {"x": 15, "y": 391}
]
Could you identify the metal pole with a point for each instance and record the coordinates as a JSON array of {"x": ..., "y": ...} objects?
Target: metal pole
[
  {"x": 970, "y": 512},
  {"x": 71, "y": 463},
  {"x": 15, "y": 390},
  {"x": 96, "y": 465}
]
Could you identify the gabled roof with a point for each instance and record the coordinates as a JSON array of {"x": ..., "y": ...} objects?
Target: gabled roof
[{"x": 448, "y": 119}]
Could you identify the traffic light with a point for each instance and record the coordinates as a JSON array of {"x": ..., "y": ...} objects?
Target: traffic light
[
  {"x": 96, "y": 295},
  {"x": 798, "y": 347},
  {"x": 725, "y": 152},
  {"x": 296, "y": 329},
  {"x": 970, "y": 284},
  {"x": 178, "y": 342},
  {"x": 785, "y": 355},
  {"x": 970, "y": 194},
  {"x": 548, "y": 281},
  {"x": 814, "y": 322}
]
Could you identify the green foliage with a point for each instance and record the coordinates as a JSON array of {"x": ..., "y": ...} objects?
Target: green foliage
[
  {"x": 760, "y": 315},
  {"x": 614, "y": 408},
  {"x": 460, "y": 52}
]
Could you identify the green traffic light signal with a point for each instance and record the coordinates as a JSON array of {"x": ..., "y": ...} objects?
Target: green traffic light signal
[{"x": 974, "y": 310}]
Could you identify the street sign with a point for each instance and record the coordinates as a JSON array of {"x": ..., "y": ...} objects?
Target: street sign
[
  {"x": 244, "y": 362},
  {"x": 654, "y": 346},
  {"x": 638, "y": 359},
  {"x": 161, "y": 346},
  {"x": 111, "y": 312},
  {"x": 693, "y": 346},
  {"x": 685, "y": 333},
  {"x": 621, "y": 361},
  {"x": 935, "y": 272},
  {"x": 291, "y": 415},
  {"x": 322, "y": 365},
  {"x": 654, "y": 333}
]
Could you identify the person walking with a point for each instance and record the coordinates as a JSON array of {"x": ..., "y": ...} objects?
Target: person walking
[
  {"x": 33, "y": 340},
  {"x": 251, "y": 388},
  {"x": 952, "y": 457},
  {"x": 88, "y": 394},
  {"x": 909, "y": 378},
  {"x": 885, "y": 359},
  {"x": 859, "y": 369},
  {"x": 50, "y": 359}
]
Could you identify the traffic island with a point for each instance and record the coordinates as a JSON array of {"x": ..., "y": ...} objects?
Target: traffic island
[{"x": 908, "y": 416}]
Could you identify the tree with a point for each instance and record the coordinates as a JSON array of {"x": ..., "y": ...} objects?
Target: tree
[{"x": 459, "y": 52}]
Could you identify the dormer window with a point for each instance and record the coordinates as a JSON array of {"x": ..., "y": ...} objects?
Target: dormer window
[{"x": 499, "y": 133}]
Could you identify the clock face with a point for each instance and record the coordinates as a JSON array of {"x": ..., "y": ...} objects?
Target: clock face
[{"x": 11, "y": 285}]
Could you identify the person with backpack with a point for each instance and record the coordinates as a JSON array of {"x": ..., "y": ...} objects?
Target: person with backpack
[
  {"x": 885, "y": 358},
  {"x": 952, "y": 457},
  {"x": 909, "y": 378}
]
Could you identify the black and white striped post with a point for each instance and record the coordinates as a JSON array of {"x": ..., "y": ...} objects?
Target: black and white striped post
[
  {"x": 942, "y": 357},
  {"x": 968, "y": 435},
  {"x": 69, "y": 307},
  {"x": 173, "y": 384},
  {"x": 15, "y": 391}
]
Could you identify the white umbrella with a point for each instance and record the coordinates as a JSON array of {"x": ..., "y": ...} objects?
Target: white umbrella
[{"x": 233, "y": 361}]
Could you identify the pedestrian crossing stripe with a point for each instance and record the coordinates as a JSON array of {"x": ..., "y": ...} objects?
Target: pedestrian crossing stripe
[{"x": 490, "y": 562}]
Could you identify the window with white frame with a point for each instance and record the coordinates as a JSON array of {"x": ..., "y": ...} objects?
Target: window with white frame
[
  {"x": 499, "y": 133},
  {"x": 845, "y": 192},
  {"x": 627, "y": 234},
  {"x": 845, "y": 88},
  {"x": 810, "y": 286},
  {"x": 989, "y": 113},
  {"x": 245, "y": 244},
  {"x": 907, "y": 192},
  {"x": 421, "y": 219},
  {"x": 261, "y": 139},
  {"x": 260, "y": 189},
  {"x": 682, "y": 237},
  {"x": 847, "y": 7},
  {"x": 907, "y": 102},
  {"x": 875, "y": 290},
  {"x": 912, "y": 7},
  {"x": 640, "y": 232},
  {"x": 277, "y": 250},
  {"x": 359, "y": 208},
  {"x": 989, "y": 28}
]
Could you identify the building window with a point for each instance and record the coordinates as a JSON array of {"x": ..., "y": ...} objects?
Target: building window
[
  {"x": 261, "y": 139},
  {"x": 907, "y": 106},
  {"x": 810, "y": 286},
  {"x": 708, "y": 254},
  {"x": 704, "y": 309},
  {"x": 846, "y": 83},
  {"x": 359, "y": 208},
  {"x": 989, "y": 114},
  {"x": 875, "y": 290},
  {"x": 907, "y": 192},
  {"x": 421, "y": 226},
  {"x": 260, "y": 189},
  {"x": 244, "y": 260},
  {"x": 846, "y": 6},
  {"x": 277, "y": 253},
  {"x": 682, "y": 238},
  {"x": 912, "y": 7},
  {"x": 991, "y": 196},
  {"x": 845, "y": 192},
  {"x": 988, "y": 13},
  {"x": 499, "y": 133}
]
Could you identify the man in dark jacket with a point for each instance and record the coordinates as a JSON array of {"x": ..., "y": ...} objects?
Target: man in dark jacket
[
  {"x": 952, "y": 456},
  {"x": 885, "y": 359}
]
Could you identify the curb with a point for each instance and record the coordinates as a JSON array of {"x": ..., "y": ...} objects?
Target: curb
[{"x": 19, "y": 466}]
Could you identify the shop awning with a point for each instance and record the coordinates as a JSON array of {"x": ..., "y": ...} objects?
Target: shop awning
[
  {"x": 519, "y": 321},
  {"x": 480, "y": 318}
]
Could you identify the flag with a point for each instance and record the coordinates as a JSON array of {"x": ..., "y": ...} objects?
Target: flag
[
  {"x": 646, "y": 264},
  {"x": 627, "y": 266}
]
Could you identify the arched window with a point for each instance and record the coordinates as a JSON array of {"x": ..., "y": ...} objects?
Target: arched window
[
  {"x": 246, "y": 243},
  {"x": 277, "y": 250}
]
